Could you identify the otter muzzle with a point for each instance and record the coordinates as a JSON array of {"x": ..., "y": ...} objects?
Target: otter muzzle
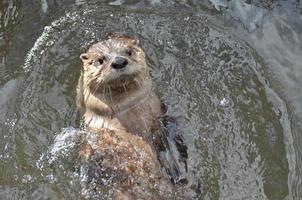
[{"x": 119, "y": 63}]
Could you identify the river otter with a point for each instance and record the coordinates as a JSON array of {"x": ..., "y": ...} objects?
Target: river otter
[{"x": 125, "y": 122}]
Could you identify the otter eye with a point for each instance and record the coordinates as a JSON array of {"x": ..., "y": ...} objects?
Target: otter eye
[
  {"x": 129, "y": 52},
  {"x": 101, "y": 60}
]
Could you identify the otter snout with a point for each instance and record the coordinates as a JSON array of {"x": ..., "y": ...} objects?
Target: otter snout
[{"x": 119, "y": 63}]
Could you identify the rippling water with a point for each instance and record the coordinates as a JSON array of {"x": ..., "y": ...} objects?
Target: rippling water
[{"x": 229, "y": 72}]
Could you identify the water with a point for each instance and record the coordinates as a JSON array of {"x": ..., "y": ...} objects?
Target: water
[{"x": 229, "y": 72}]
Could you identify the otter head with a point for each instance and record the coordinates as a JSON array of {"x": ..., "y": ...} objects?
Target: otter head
[
  {"x": 115, "y": 73},
  {"x": 114, "y": 63}
]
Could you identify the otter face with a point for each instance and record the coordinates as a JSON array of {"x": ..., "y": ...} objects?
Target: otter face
[{"x": 116, "y": 57}]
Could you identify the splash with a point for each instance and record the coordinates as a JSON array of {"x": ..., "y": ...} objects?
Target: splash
[
  {"x": 64, "y": 146},
  {"x": 45, "y": 40}
]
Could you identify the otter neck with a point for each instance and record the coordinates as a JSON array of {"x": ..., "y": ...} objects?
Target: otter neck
[
  {"x": 121, "y": 99},
  {"x": 109, "y": 102}
]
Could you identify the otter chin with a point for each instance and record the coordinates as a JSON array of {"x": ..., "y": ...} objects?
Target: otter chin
[{"x": 125, "y": 117}]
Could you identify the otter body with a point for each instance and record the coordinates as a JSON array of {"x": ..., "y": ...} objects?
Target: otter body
[{"x": 123, "y": 117}]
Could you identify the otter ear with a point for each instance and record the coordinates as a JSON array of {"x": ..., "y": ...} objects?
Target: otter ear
[
  {"x": 135, "y": 41},
  {"x": 84, "y": 57}
]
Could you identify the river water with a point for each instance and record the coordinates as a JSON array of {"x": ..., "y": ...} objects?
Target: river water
[{"x": 230, "y": 72}]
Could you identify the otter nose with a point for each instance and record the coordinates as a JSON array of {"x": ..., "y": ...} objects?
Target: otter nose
[{"x": 119, "y": 63}]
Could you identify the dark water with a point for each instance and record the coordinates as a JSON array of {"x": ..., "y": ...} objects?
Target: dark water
[{"x": 231, "y": 75}]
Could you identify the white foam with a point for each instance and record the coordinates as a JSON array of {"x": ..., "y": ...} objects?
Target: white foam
[
  {"x": 218, "y": 4},
  {"x": 223, "y": 102},
  {"x": 44, "y": 5},
  {"x": 116, "y": 3},
  {"x": 64, "y": 141}
]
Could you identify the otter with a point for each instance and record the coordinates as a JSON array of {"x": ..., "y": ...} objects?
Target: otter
[{"x": 125, "y": 120}]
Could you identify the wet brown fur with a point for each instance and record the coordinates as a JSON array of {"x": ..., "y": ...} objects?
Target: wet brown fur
[{"x": 122, "y": 118}]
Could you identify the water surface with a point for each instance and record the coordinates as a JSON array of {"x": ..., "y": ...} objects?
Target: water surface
[{"x": 231, "y": 77}]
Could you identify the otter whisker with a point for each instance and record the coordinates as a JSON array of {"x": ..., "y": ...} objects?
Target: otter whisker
[
  {"x": 86, "y": 98},
  {"x": 90, "y": 82},
  {"x": 138, "y": 83},
  {"x": 104, "y": 93},
  {"x": 111, "y": 99},
  {"x": 94, "y": 88},
  {"x": 125, "y": 89},
  {"x": 93, "y": 91}
]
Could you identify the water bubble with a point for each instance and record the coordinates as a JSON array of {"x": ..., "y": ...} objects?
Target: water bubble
[
  {"x": 186, "y": 18},
  {"x": 27, "y": 178},
  {"x": 116, "y": 3},
  {"x": 223, "y": 102},
  {"x": 10, "y": 123}
]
